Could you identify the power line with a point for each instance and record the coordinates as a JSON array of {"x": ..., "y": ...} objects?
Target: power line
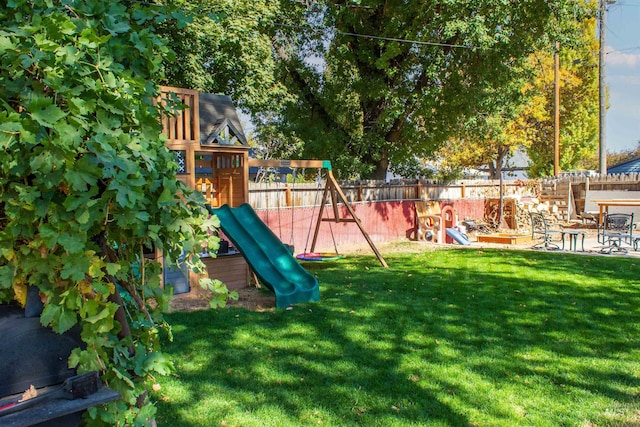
[
  {"x": 405, "y": 41},
  {"x": 623, "y": 50},
  {"x": 625, "y": 3},
  {"x": 368, "y": 36},
  {"x": 613, "y": 32}
]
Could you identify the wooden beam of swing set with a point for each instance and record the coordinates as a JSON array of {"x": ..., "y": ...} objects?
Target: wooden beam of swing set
[
  {"x": 332, "y": 188},
  {"x": 272, "y": 163}
]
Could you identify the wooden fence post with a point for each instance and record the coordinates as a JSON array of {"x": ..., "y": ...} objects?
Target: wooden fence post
[{"x": 287, "y": 195}]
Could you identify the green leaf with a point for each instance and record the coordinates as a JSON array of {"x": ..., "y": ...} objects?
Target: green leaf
[
  {"x": 42, "y": 162},
  {"x": 218, "y": 301},
  {"x": 66, "y": 321},
  {"x": 49, "y": 313},
  {"x": 143, "y": 216},
  {"x": 71, "y": 243},
  {"x": 74, "y": 266},
  {"x": 166, "y": 196},
  {"x": 124, "y": 377},
  {"x": 79, "y": 105},
  {"x": 124, "y": 195},
  {"x": 49, "y": 234},
  {"x": 84, "y": 174},
  {"x": 110, "y": 80},
  {"x": 114, "y": 25},
  {"x": 106, "y": 313},
  {"x": 145, "y": 414},
  {"x": 6, "y": 44},
  {"x": 10, "y": 128},
  {"x": 113, "y": 268},
  {"x": 60, "y": 319},
  {"x": 6, "y": 276},
  {"x": 83, "y": 217},
  {"x": 157, "y": 362},
  {"x": 48, "y": 116}
]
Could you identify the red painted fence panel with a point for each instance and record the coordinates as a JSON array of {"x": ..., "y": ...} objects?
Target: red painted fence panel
[{"x": 383, "y": 221}]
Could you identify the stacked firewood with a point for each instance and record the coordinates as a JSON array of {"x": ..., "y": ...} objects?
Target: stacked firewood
[{"x": 534, "y": 205}]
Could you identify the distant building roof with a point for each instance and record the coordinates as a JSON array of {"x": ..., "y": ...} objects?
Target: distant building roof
[
  {"x": 630, "y": 166},
  {"x": 515, "y": 166},
  {"x": 219, "y": 121}
]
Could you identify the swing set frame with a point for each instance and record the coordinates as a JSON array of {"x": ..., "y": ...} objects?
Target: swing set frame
[{"x": 331, "y": 189}]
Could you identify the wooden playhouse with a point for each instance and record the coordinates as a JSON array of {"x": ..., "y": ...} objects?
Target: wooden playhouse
[{"x": 212, "y": 153}]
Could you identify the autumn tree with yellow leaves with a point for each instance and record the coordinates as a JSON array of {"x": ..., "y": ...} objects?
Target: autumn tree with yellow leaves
[{"x": 527, "y": 120}]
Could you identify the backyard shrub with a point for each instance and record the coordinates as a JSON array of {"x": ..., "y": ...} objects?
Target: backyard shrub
[{"x": 87, "y": 186}]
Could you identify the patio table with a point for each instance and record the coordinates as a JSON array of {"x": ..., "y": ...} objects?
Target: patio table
[
  {"x": 573, "y": 238},
  {"x": 604, "y": 205}
]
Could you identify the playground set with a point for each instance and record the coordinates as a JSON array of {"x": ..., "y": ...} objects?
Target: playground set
[
  {"x": 438, "y": 224},
  {"x": 212, "y": 153}
]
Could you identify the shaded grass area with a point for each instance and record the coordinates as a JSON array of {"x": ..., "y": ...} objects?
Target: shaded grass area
[{"x": 449, "y": 338}]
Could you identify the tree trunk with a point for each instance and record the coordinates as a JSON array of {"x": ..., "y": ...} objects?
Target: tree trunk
[
  {"x": 380, "y": 165},
  {"x": 495, "y": 167},
  {"x": 380, "y": 171}
]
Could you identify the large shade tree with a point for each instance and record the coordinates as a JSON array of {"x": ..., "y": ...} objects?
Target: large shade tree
[
  {"x": 87, "y": 186},
  {"x": 397, "y": 77},
  {"x": 369, "y": 84}
]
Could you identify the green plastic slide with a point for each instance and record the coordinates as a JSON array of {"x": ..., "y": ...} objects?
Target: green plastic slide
[{"x": 268, "y": 257}]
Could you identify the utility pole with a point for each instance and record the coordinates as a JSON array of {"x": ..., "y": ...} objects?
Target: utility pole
[
  {"x": 603, "y": 85},
  {"x": 556, "y": 104}
]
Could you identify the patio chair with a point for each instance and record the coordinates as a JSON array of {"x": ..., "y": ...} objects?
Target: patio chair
[
  {"x": 616, "y": 230},
  {"x": 543, "y": 231}
]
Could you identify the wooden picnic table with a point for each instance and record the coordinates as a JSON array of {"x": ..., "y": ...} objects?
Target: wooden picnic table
[{"x": 604, "y": 205}]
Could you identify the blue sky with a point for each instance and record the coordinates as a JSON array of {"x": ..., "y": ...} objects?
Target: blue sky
[{"x": 623, "y": 75}]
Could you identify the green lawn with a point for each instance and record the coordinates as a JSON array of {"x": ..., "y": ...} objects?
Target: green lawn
[{"x": 463, "y": 337}]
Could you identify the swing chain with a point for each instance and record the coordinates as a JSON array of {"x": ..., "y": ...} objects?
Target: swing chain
[{"x": 313, "y": 209}]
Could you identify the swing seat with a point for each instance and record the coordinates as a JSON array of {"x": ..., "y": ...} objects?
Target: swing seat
[{"x": 319, "y": 256}]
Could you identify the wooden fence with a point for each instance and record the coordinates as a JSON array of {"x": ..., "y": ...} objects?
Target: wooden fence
[
  {"x": 626, "y": 182},
  {"x": 280, "y": 195}
]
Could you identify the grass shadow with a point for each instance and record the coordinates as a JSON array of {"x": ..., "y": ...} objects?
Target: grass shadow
[{"x": 463, "y": 337}]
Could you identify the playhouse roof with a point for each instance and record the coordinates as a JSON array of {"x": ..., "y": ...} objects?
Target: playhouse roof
[
  {"x": 630, "y": 166},
  {"x": 219, "y": 121}
]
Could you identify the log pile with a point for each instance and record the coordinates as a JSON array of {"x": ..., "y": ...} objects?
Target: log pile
[
  {"x": 515, "y": 212},
  {"x": 550, "y": 211}
]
